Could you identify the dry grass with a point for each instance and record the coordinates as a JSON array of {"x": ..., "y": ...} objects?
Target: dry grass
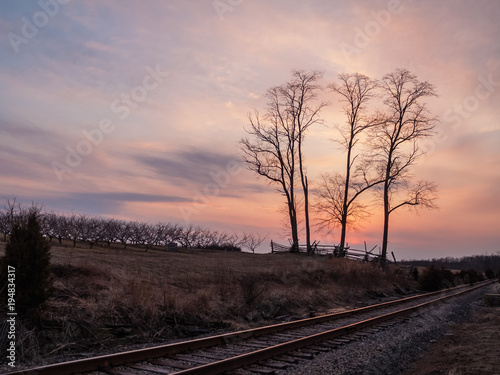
[{"x": 105, "y": 293}]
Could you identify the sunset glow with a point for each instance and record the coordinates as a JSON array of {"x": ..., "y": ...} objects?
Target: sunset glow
[{"x": 134, "y": 110}]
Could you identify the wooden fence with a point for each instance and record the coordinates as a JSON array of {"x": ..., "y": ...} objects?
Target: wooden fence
[{"x": 333, "y": 250}]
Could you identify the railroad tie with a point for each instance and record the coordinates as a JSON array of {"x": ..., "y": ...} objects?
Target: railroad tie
[
  {"x": 329, "y": 344},
  {"x": 149, "y": 368},
  {"x": 287, "y": 359},
  {"x": 116, "y": 371},
  {"x": 320, "y": 348},
  {"x": 262, "y": 371},
  {"x": 170, "y": 363},
  {"x": 301, "y": 355},
  {"x": 274, "y": 365}
]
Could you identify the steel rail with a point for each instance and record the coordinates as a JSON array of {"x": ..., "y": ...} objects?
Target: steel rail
[
  {"x": 118, "y": 359},
  {"x": 287, "y": 347}
]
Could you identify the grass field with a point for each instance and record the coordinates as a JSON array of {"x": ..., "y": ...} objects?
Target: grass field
[{"x": 107, "y": 294}]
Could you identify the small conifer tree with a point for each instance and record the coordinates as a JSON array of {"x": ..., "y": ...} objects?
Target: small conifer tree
[{"x": 29, "y": 253}]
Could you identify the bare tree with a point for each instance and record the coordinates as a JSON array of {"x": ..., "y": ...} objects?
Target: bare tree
[
  {"x": 275, "y": 151},
  {"x": 142, "y": 234},
  {"x": 80, "y": 228},
  {"x": 338, "y": 194},
  {"x": 11, "y": 208},
  {"x": 111, "y": 231},
  {"x": 395, "y": 143},
  {"x": 48, "y": 223},
  {"x": 190, "y": 236},
  {"x": 124, "y": 232},
  {"x": 330, "y": 206},
  {"x": 60, "y": 227},
  {"x": 252, "y": 241},
  {"x": 93, "y": 230},
  {"x": 76, "y": 228},
  {"x": 229, "y": 242},
  {"x": 172, "y": 234},
  {"x": 301, "y": 92},
  {"x": 4, "y": 225}
]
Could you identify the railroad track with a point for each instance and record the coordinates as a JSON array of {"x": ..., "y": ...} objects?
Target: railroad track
[{"x": 260, "y": 350}]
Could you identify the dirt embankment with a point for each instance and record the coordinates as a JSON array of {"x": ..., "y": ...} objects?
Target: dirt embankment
[{"x": 471, "y": 348}]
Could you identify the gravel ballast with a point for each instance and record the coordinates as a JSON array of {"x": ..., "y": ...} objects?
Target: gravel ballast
[{"x": 393, "y": 349}]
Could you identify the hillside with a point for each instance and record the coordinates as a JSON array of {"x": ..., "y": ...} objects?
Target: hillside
[{"x": 109, "y": 296}]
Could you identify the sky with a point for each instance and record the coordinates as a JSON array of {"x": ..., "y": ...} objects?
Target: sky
[{"x": 134, "y": 110}]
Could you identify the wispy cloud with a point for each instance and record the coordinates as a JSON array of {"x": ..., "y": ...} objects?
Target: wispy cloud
[
  {"x": 162, "y": 155},
  {"x": 186, "y": 167}
]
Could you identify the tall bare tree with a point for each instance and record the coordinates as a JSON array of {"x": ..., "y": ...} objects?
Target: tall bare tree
[
  {"x": 274, "y": 149},
  {"x": 395, "y": 143},
  {"x": 338, "y": 194},
  {"x": 302, "y": 92}
]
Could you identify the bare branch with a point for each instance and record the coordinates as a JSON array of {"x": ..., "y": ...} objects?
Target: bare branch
[
  {"x": 340, "y": 192},
  {"x": 252, "y": 241},
  {"x": 422, "y": 194},
  {"x": 395, "y": 142},
  {"x": 273, "y": 148}
]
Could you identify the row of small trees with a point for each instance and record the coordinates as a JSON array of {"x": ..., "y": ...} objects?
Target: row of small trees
[
  {"x": 384, "y": 121},
  {"x": 81, "y": 228}
]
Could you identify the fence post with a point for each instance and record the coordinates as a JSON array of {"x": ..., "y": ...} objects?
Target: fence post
[{"x": 393, "y": 257}]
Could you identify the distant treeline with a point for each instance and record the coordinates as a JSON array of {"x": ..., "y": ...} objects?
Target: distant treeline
[
  {"x": 479, "y": 263},
  {"x": 91, "y": 230}
]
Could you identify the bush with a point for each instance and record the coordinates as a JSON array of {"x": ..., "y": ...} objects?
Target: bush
[
  {"x": 414, "y": 274},
  {"x": 434, "y": 278},
  {"x": 490, "y": 274},
  {"x": 252, "y": 286},
  {"x": 471, "y": 276},
  {"x": 29, "y": 253}
]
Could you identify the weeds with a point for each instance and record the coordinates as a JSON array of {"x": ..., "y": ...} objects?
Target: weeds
[{"x": 104, "y": 296}]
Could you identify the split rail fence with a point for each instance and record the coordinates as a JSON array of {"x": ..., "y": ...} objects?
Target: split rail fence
[{"x": 332, "y": 250}]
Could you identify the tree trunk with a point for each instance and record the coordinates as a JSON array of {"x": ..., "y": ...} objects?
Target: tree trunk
[
  {"x": 346, "y": 194},
  {"x": 305, "y": 188},
  {"x": 306, "y": 209},
  {"x": 343, "y": 231},
  {"x": 294, "y": 227},
  {"x": 386, "y": 222}
]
